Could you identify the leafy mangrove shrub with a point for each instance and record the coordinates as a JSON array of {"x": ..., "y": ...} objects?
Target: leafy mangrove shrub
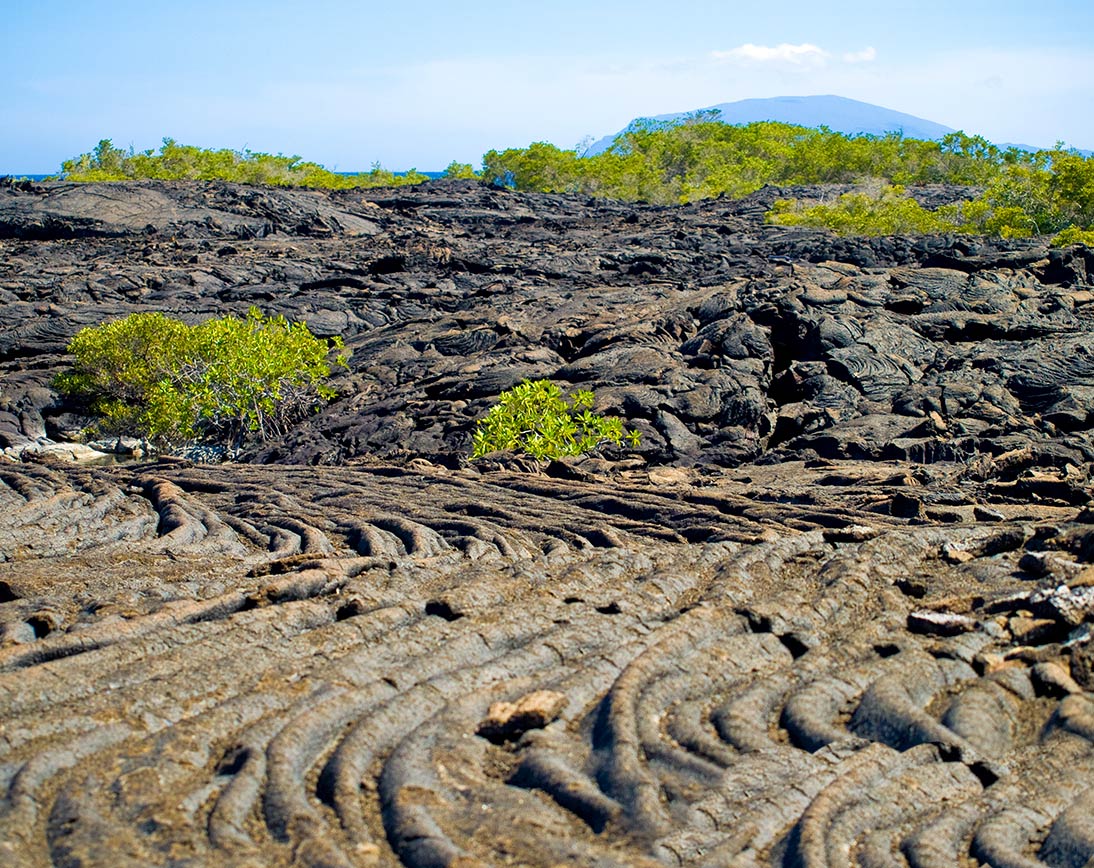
[
  {"x": 700, "y": 157},
  {"x": 181, "y": 162},
  {"x": 890, "y": 212},
  {"x": 226, "y": 380},
  {"x": 461, "y": 170},
  {"x": 1074, "y": 235},
  {"x": 535, "y": 418},
  {"x": 1018, "y": 192},
  {"x": 1042, "y": 194}
]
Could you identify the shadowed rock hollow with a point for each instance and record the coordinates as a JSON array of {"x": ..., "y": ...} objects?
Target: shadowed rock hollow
[{"x": 835, "y": 611}]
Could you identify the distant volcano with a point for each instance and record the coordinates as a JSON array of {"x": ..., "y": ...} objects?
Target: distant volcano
[{"x": 835, "y": 112}]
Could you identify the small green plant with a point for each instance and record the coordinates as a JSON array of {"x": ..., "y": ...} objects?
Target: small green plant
[
  {"x": 535, "y": 418},
  {"x": 176, "y": 162},
  {"x": 888, "y": 212},
  {"x": 1074, "y": 235},
  {"x": 461, "y": 170},
  {"x": 225, "y": 381}
]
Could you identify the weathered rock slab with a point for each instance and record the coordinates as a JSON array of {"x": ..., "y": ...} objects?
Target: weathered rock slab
[{"x": 835, "y": 610}]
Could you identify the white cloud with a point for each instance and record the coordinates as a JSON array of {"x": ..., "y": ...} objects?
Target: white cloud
[
  {"x": 864, "y": 56},
  {"x": 805, "y": 54}
]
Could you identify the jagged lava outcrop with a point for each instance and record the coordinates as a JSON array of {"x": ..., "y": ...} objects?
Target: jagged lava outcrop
[{"x": 834, "y": 610}]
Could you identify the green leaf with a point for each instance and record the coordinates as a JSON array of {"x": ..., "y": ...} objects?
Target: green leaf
[
  {"x": 535, "y": 418},
  {"x": 223, "y": 380}
]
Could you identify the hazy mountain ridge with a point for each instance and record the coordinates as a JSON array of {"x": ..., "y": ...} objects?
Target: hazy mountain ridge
[{"x": 838, "y": 113}]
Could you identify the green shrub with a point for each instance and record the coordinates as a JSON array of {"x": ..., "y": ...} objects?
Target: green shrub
[
  {"x": 1024, "y": 195},
  {"x": 890, "y": 212},
  {"x": 535, "y": 418},
  {"x": 1074, "y": 235},
  {"x": 461, "y": 170},
  {"x": 176, "y": 162},
  {"x": 698, "y": 157},
  {"x": 226, "y": 380},
  {"x": 1014, "y": 192}
]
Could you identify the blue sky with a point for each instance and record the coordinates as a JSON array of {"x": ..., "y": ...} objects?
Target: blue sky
[{"x": 418, "y": 83}]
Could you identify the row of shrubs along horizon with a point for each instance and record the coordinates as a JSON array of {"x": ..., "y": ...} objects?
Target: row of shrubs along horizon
[{"x": 1010, "y": 192}]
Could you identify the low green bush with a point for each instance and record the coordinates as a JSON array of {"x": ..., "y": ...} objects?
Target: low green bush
[
  {"x": 461, "y": 170},
  {"x": 698, "y": 157},
  {"x": 224, "y": 381},
  {"x": 176, "y": 162},
  {"x": 535, "y": 418},
  {"x": 1045, "y": 193},
  {"x": 888, "y": 212},
  {"x": 1074, "y": 235}
]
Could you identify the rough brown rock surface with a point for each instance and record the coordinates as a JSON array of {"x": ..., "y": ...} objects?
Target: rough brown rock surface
[{"x": 837, "y": 609}]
